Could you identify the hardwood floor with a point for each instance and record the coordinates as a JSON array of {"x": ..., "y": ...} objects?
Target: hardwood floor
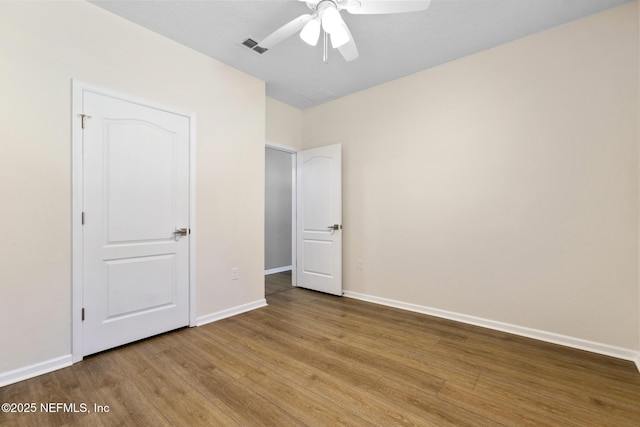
[
  {"x": 318, "y": 360},
  {"x": 279, "y": 282}
]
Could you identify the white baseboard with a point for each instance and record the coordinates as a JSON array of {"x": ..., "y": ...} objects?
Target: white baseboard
[
  {"x": 278, "y": 270},
  {"x": 203, "y": 320},
  {"x": 31, "y": 371},
  {"x": 567, "y": 341},
  {"x": 47, "y": 366}
]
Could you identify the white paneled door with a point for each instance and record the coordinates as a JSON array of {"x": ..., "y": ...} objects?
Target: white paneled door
[
  {"x": 135, "y": 236},
  {"x": 319, "y": 217}
]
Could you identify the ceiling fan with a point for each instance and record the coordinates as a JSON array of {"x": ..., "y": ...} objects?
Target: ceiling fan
[{"x": 325, "y": 18}]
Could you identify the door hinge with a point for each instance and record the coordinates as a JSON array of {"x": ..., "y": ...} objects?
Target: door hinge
[
  {"x": 82, "y": 218},
  {"x": 83, "y": 119},
  {"x": 83, "y": 314}
]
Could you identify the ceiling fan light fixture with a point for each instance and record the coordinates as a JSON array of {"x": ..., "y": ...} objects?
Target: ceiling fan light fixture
[
  {"x": 331, "y": 19},
  {"x": 311, "y": 32}
]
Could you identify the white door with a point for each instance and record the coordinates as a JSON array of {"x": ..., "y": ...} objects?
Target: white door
[
  {"x": 319, "y": 216},
  {"x": 135, "y": 195}
]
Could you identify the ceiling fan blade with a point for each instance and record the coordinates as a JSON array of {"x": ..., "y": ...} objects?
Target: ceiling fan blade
[
  {"x": 349, "y": 50},
  {"x": 375, "y": 7},
  {"x": 286, "y": 31}
]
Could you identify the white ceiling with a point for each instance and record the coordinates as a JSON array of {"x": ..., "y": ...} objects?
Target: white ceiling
[{"x": 391, "y": 46}]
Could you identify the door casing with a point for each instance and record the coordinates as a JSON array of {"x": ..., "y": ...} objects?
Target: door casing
[
  {"x": 294, "y": 227},
  {"x": 294, "y": 204},
  {"x": 78, "y": 88}
]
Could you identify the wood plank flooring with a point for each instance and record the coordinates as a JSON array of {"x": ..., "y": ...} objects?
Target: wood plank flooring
[
  {"x": 278, "y": 282},
  {"x": 318, "y": 360}
]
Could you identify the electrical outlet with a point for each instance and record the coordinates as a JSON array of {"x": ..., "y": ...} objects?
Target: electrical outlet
[
  {"x": 360, "y": 264},
  {"x": 235, "y": 273}
]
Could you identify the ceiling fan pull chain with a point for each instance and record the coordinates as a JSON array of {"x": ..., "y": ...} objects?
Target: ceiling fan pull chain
[{"x": 325, "y": 50}]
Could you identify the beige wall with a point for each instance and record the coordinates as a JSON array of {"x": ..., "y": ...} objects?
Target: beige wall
[
  {"x": 42, "y": 47},
  {"x": 284, "y": 124},
  {"x": 503, "y": 185}
]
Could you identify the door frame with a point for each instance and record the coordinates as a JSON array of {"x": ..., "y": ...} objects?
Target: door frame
[
  {"x": 77, "y": 89},
  {"x": 294, "y": 224}
]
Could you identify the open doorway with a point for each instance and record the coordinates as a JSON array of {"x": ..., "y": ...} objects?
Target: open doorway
[
  {"x": 305, "y": 187},
  {"x": 279, "y": 219}
]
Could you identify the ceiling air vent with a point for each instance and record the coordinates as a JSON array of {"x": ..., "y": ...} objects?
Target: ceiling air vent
[
  {"x": 318, "y": 94},
  {"x": 252, "y": 44},
  {"x": 260, "y": 50}
]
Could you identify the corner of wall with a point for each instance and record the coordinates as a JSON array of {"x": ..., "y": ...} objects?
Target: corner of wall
[
  {"x": 283, "y": 124},
  {"x": 638, "y": 152}
]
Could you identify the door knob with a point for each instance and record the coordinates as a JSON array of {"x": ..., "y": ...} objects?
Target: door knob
[
  {"x": 335, "y": 227},
  {"x": 181, "y": 232}
]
